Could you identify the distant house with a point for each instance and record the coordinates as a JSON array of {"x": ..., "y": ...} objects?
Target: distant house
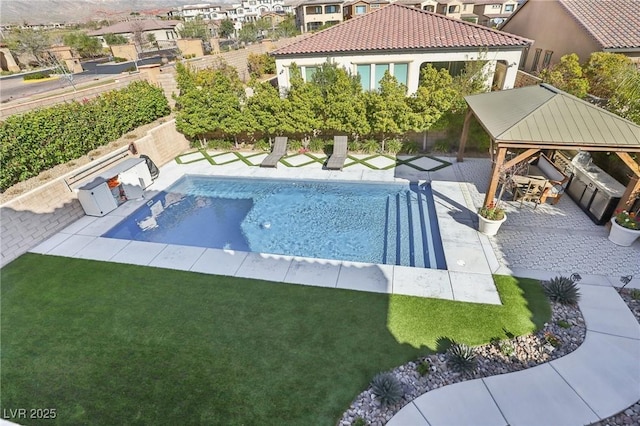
[
  {"x": 355, "y": 8},
  {"x": 560, "y": 27},
  {"x": 162, "y": 30},
  {"x": 401, "y": 39},
  {"x": 313, "y": 14},
  {"x": 490, "y": 13}
]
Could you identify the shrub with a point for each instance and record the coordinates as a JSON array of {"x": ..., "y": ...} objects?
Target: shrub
[
  {"x": 563, "y": 324},
  {"x": 220, "y": 144},
  {"x": 442, "y": 146},
  {"x": 387, "y": 388},
  {"x": 462, "y": 358},
  {"x": 552, "y": 339},
  {"x": 410, "y": 147},
  {"x": 317, "y": 145},
  {"x": 423, "y": 368},
  {"x": 562, "y": 290},
  {"x": 394, "y": 146},
  {"x": 36, "y": 76},
  {"x": 41, "y": 139},
  {"x": 635, "y": 294},
  {"x": 262, "y": 145},
  {"x": 354, "y": 145},
  {"x": 370, "y": 146},
  {"x": 359, "y": 421},
  {"x": 118, "y": 59},
  {"x": 507, "y": 348},
  {"x": 294, "y": 145}
]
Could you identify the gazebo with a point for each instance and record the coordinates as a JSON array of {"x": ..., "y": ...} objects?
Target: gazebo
[{"x": 536, "y": 118}]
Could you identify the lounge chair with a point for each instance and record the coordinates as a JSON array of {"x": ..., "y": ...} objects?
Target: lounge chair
[
  {"x": 279, "y": 151},
  {"x": 339, "y": 156}
]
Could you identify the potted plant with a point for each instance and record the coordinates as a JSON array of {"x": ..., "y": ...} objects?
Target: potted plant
[
  {"x": 625, "y": 228},
  {"x": 490, "y": 218}
]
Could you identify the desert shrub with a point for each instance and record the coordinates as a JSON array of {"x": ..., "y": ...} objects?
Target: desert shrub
[
  {"x": 461, "y": 358},
  {"x": 387, "y": 388},
  {"x": 506, "y": 348},
  {"x": 317, "y": 145},
  {"x": 118, "y": 59},
  {"x": 423, "y": 367},
  {"x": 41, "y": 139},
  {"x": 562, "y": 290},
  {"x": 635, "y": 294},
  {"x": 552, "y": 339},
  {"x": 359, "y": 421},
  {"x": 410, "y": 147},
  {"x": 394, "y": 146},
  {"x": 563, "y": 324}
]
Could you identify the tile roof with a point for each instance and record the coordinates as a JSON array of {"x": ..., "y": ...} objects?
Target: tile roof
[
  {"x": 614, "y": 24},
  {"x": 398, "y": 27}
]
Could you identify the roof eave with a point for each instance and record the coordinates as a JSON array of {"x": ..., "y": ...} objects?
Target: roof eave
[{"x": 411, "y": 50}]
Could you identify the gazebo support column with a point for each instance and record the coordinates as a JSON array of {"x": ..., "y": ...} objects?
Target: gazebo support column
[
  {"x": 495, "y": 176},
  {"x": 634, "y": 183},
  {"x": 465, "y": 135}
]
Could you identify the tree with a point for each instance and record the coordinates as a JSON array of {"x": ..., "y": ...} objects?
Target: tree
[
  {"x": 137, "y": 29},
  {"x": 248, "y": 33},
  {"x": 265, "y": 110},
  {"x": 84, "y": 45},
  {"x": 195, "y": 28},
  {"x": 388, "y": 112},
  {"x": 567, "y": 75},
  {"x": 226, "y": 28},
  {"x": 30, "y": 42},
  {"x": 436, "y": 95},
  {"x": 605, "y": 72},
  {"x": 625, "y": 100},
  {"x": 302, "y": 106},
  {"x": 287, "y": 28},
  {"x": 115, "y": 39},
  {"x": 342, "y": 106}
]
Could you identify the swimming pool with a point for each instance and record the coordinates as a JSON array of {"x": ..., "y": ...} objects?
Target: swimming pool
[{"x": 387, "y": 223}]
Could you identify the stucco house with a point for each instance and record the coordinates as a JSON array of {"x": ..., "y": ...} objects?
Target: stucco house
[
  {"x": 162, "y": 30},
  {"x": 561, "y": 27},
  {"x": 400, "y": 39}
]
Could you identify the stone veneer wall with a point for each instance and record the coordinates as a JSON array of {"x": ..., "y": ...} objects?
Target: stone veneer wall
[
  {"x": 525, "y": 79},
  {"x": 35, "y": 216}
]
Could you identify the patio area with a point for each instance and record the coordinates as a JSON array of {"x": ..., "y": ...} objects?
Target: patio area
[{"x": 541, "y": 243}]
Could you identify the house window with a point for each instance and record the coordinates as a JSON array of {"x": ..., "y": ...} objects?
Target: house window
[
  {"x": 508, "y": 8},
  {"x": 495, "y": 6},
  {"x": 361, "y": 10},
  {"x": 380, "y": 70},
  {"x": 523, "y": 58},
  {"x": 547, "y": 58},
  {"x": 453, "y": 9},
  {"x": 400, "y": 72},
  {"x": 429, "y": 8},
  {"x": 331, "y": 9},
  {"x": 314, "y": 10},
  {"x": 309, "y": 72},
  {"x": 364, "y": 71},
  {"x": 312, "y": 26},
  {"x": 536, "y": 58},
  {"x": 374, "y": 6}
]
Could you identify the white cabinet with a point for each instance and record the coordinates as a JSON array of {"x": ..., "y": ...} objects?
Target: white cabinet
[{"x": 126, "y": 180}]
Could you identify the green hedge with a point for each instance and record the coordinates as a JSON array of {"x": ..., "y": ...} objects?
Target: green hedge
[{"x": 41, "y": 139}]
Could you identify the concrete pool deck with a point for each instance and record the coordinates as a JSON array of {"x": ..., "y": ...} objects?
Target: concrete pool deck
[{"x": 469, "y": 257}]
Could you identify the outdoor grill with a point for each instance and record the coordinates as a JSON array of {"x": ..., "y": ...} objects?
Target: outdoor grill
[{"x": 595, "y": 191}]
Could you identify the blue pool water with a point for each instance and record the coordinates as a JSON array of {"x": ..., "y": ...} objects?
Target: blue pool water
[{"x": 366, "y": 222}]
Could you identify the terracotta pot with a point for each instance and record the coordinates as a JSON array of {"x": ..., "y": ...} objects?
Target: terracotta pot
[
  {"x": 488, "y": 226},
  {"x": 622, "y": 236}
]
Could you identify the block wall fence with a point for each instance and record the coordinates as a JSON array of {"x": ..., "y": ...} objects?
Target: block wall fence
[{"x": 28, "y": 220}]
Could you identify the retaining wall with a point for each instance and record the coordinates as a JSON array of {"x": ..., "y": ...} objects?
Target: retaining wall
[{"x": 28, "y": 220}]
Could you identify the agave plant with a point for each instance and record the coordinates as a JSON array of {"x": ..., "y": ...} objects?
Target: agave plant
[
  {"x": 462, "y": 358},
  {"x": 387, "y": 388},
  {"x": 562, "y": 290}
]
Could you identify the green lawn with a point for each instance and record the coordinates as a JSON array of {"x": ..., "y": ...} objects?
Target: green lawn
[{"x": 106, "y": 343}]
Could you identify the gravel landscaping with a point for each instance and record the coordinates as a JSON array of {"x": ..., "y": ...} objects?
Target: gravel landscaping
[{"x": 497, "y": 358}]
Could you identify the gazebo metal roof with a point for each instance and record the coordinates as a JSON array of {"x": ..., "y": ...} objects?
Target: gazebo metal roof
[
  {"x": 540, "y": 117},
  {"x": 550, "y": 118}
]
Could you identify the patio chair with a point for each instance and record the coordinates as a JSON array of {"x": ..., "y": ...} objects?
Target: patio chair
[
  {"x": 339, "y": 156},
  {"x": 532, "y": 191},
  {"x": 279, "y": 151}
]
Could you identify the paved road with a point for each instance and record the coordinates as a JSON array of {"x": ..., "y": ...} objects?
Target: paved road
[{"x": 14, "y": 87}]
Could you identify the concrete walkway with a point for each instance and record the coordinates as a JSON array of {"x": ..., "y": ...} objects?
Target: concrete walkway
[{"x": 598, "y": 380}]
